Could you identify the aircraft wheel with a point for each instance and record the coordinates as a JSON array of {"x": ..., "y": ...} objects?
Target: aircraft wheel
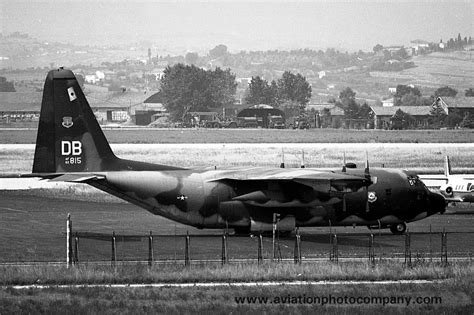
[{"x": 398, "y": 228}]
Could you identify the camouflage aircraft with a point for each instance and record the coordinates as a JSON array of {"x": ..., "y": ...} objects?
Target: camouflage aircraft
[{"x": 71, "y": 147}]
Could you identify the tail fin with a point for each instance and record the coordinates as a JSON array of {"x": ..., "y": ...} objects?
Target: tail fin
[
  {"x": 69, "y": 138},
  {"x": 447, "y": 167}
]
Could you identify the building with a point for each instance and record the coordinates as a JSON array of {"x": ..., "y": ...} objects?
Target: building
[
  {"x": 20, "y": 108},
  {"x": 328, "y": 115},
  {"x": 382, "y": 115},
  {"x": 107, "y": 106},
  {"x": 115, "y": 106},
  {"x": 461, "y": 105},
  {"x": 388, "y": 102},
  {"x": 145, "y": 113}
]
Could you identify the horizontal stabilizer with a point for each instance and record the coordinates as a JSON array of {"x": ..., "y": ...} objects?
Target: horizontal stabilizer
[{"x": 76, "y": 178}]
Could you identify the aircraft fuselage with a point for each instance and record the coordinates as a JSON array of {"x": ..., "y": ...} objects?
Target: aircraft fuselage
[{"x": 200, "y": 199}]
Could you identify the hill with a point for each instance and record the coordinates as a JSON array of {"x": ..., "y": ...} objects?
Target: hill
[{"x": 454, "y": 69}]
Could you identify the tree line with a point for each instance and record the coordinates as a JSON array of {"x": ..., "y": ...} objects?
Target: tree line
[
  {"x": 189, "y": 88},
  {"x": 291, "y": 89}
]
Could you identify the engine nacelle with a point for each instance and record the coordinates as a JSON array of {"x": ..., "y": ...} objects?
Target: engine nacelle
[
  {"x": 287, "y": 224},
  {"x": 446, "y": 190}
]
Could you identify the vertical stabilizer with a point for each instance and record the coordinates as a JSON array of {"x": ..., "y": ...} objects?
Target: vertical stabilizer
[{"x": 69, "y": 138}]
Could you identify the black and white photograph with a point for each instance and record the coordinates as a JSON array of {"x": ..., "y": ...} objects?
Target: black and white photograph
[{"x": 236, "y": 157}]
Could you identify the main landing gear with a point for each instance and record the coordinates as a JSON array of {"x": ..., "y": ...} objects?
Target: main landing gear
[{"x": 398, "y": 228}]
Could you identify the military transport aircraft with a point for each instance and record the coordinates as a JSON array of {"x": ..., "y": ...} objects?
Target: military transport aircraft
[
  {"x": 454, "y": 187},
  {"x": 71, "y": 147}
]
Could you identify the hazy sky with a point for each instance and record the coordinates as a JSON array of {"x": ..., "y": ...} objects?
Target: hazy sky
[{"x": 241, "y": 25}]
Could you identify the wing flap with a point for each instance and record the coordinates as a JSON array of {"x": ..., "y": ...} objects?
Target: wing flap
[{"x": 320, "y": 181}]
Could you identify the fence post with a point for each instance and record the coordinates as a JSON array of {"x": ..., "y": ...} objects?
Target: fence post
[
  {"x": 407, "y": 250},
  {"x": 260, "y": 249},
  {"x": 334, "y": 256},
  {"x": 444, "y": 248},
  {"x": 76, "y": 249},
  {"x": 114, "y": 252},
  {"x": 186, "y": 250},
  {"x": 68, "y": 241},
  {"x": 224, "y": 249},
  {"x": 150, "y": 249},
  {"x": 297, "y": 252},
  {"x": 371, "y": 250},
  {"x": 274, "y": 228}
]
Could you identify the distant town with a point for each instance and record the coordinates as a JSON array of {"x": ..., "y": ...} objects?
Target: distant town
[{"x": 418, "y": 85}]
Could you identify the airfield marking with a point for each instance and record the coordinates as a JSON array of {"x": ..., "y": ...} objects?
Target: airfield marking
[{"x": 222, "y": 284}]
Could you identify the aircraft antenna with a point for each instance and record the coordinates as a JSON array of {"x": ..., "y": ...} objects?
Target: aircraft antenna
[
  {"x": 344, "y": 162},
  {"x": 367, "y": 171},
  {"x": 367, "y": 176},
  {"x": 282, "y": 164}
]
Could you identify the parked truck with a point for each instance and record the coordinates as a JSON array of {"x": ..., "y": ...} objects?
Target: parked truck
[{"x": 264, "y": 116}]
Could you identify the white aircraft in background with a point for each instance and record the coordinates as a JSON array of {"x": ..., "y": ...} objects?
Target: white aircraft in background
[{"x": 454, "y": 187}]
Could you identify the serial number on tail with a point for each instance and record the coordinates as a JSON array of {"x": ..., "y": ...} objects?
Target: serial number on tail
[{"x": 73, "y": 160}]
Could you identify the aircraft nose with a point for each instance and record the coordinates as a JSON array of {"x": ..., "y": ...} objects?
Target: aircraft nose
[{"x": 437, "y": 203}]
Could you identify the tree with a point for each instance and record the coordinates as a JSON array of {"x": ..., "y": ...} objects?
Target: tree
[
  {"x": 406, "y": 89},
  {"x": 293, "y": 87},
  {"x": 364, "y": 111},
  {"x": 401, "y": 120},
  {"x": 185, "y": 88},
  {"x": 437, "y": 115},
  {"x": 454, "y": 118},
  {"x": 403, "y": 90},
  {"x": 218, "y": 51},
  {"x": 260, "y": 92},
  {"x": 191, "y": 58},
  {"x": 6, "y": 86},
  {"x": 348, "y": 104},
  {"x": 469, "y": 93},
  {"x": 467, "y": 122},
  {"x": 347, "y": 93},
  {"x": 222, "y": 87},
  {"x": 377, "y": 48},
  {"x": 410, "y": 100},
  {"x": 445, "y": 91}
]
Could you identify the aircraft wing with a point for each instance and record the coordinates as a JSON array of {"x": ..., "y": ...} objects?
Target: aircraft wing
[{"x": 323, "y": 182}]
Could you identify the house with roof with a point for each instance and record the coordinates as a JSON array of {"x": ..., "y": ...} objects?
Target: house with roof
[
  {"x": 327, "y": 115},
  {"x": 382, "y": 115},
  {"x": 114, "y": 106},
  {"x": 461, "y": 105}
]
